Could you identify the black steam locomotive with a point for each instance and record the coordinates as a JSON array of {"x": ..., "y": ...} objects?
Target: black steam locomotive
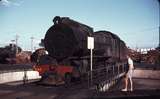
[{"x": 66, "y": 43}]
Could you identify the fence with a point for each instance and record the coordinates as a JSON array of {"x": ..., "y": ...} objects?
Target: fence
[{"x": 105, "y": 77}]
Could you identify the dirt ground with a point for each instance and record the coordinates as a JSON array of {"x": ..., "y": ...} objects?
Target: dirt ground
[{"x": 142, "y": 87}]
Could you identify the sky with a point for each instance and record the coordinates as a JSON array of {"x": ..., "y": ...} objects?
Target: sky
[{"x": 136, "y": 22}]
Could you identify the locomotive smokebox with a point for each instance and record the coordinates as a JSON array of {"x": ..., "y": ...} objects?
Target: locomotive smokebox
[{"x": 67, "y": 38}]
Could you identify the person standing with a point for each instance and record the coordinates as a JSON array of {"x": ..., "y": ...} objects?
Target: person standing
[{"x": 129, "y": 74}]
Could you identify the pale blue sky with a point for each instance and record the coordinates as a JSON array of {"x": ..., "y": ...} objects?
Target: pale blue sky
[{"x": 134, "y": 21}]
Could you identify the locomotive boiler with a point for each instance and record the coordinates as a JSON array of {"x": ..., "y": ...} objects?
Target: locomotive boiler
[{"x": 68, "y": 38}]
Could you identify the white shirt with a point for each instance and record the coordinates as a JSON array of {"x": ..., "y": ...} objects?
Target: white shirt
[{"x": 130, "y": 62}]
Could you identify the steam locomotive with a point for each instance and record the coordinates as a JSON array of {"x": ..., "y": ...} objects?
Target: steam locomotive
[{"x": 66, "y": 43}]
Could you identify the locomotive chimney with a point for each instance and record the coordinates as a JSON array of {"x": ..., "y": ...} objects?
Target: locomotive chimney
[{"x": 56, "y": 19}]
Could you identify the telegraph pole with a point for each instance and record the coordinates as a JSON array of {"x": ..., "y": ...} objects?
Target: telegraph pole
[
  {"x": 159, "y": 37},
  {"x": 32, "y": 43},
  {"x": 159, "y": 28},
  {"x": 17, "y": 43}
]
